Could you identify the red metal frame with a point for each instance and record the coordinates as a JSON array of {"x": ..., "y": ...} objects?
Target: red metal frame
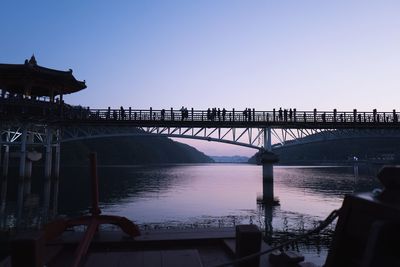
[{"x": 56, "y": 228}]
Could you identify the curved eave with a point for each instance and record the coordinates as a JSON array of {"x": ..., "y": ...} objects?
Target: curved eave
[{"x": 17, "y": 78}]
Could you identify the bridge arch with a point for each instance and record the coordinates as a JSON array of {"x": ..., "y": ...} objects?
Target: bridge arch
[{"x": 209, "y": 139}]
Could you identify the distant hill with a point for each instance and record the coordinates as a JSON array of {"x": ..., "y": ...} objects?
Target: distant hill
[
  {"x": 230, "y": 159},
  {"x": 374, "y": 149},
  {"x": 131, "y": 150}
]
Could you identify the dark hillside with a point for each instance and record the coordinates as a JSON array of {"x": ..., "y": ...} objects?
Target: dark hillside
[
  {"x": 131, "y": 150},
  {"x": 340, "y": 151}
]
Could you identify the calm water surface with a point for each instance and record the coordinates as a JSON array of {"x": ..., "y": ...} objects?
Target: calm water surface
[{"x": 217, "y": 195}]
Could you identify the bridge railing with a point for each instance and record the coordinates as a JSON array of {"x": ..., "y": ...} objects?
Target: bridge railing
[
  {"x": 15, "y": 108},
  {"x": 276, "y": 116}
]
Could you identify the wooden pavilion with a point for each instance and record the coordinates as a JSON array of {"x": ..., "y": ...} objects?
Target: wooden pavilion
[{"x": 31, "y": 80}]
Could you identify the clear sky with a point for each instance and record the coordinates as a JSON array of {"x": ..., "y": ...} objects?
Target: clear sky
[{"x": 258, "y": 54}]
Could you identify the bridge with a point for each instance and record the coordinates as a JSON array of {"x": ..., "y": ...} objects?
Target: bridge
[
  {"x": 249, "y": 128},
  {"x": 31, "y": 117}
]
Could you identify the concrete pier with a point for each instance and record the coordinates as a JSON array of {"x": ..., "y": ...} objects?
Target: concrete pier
[
  {"x": 267, "y": 160},
  {"x": 268, "y": 216},
  {"x": 268, "y": 181}
]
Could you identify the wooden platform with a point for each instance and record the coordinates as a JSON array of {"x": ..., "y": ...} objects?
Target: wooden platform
[
  {"x": 193, "y": 247},
  {"x": 157, "y": 258}
]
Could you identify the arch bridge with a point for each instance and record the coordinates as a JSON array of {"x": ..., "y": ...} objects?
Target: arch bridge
[
  {"x": 26, "y": 124},
  {"x": 248, "y": 128}
]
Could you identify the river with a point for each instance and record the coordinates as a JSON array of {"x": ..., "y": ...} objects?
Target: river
[{"x": 217, "y": 195}]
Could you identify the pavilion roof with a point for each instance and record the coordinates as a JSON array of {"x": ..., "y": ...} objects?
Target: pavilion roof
[{"x": 37, "y": 80}]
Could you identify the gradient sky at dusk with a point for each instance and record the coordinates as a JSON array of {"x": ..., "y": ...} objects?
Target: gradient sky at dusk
[{"x": 258, "y": 54}]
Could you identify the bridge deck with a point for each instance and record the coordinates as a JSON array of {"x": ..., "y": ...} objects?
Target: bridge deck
[{"x": 52, "y": 113}]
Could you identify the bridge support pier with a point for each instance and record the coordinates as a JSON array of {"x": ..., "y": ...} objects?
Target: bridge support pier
[{"x": 267, "y": 159}]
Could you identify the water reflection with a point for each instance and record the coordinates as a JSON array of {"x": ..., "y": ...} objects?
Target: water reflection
[{"x": 207, "y": 195}]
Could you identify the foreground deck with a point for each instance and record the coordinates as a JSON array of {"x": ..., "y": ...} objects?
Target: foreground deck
[{"x": 199, "y": 247}]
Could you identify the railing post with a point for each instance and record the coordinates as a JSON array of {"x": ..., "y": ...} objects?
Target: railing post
[
  {"x": 233, "y": 114},
  {"x": 130, "y": 113},
  {"x": 192, "y": 114}
]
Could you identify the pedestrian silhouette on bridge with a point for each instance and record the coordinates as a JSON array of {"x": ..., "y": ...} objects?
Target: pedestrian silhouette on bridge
[
  {"x": 249, "y": 114},
  {"x": 273, "y": 114},
  {"x": 162, "y": 114},
  {"x": 122, "y": 113}
]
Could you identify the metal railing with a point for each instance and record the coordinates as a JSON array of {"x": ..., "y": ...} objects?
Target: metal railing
[
  {"x": 234, "y": 116},
  {"x": 65, "y": 113}
]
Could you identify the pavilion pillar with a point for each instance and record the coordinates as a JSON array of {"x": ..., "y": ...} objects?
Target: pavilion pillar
[
  {"x": 22, "y": 172},
  {"x": 28, "y": 170},
  {"x": 47, "y": 172},
  {"x": 1, "y": 149},
  {"x": 51, "y": 96},
  {"x": 61, "y": 106},
  {"x": 28, "y": 177},
  {"x": 4, "y": 179},
  {"x": 267, "y": 160},
  {"x": 56, "y": 174}
]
